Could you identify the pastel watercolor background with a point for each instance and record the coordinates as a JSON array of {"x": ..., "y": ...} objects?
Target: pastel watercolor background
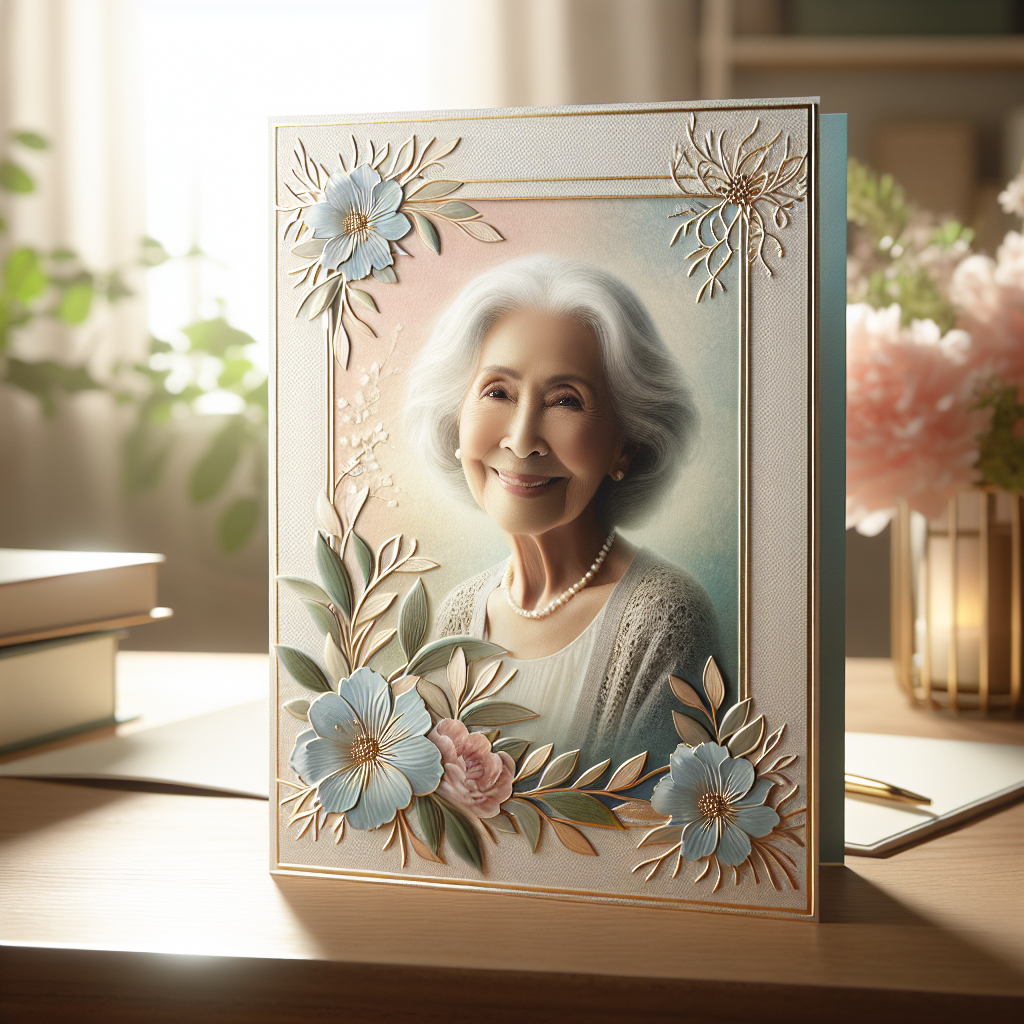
[{"x": 697, "y": 524}]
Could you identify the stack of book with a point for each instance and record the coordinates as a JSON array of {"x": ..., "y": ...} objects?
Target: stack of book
[{"x": 61, "y": 613}]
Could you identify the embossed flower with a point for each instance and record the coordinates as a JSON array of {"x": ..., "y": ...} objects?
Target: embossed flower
[
  {"x": 475, "y": 777},
  {"x": 360, "y": 219},
  {"x": 367, "y": 752},
  {"x": 716, "y": 800}
]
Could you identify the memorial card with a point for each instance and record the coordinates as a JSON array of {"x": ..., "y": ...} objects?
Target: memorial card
[{"x": 544, "y": 502}]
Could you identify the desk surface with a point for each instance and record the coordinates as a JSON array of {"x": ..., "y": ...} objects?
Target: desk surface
[{"x": 96, "y": 868}]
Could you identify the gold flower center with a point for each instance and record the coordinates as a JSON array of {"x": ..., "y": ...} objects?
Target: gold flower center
[
  {"x": 713, "y": 805},
  {"x": 357, "y": 223},
  {"x": 739, "y": 191},
  {"x": 364, "y": 749}
]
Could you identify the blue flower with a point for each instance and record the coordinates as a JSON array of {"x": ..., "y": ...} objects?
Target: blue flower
[
  {"x": 367, "y": 752},
  {"x": 361, "y": 220},
  {"x": 716, "y": 800}
]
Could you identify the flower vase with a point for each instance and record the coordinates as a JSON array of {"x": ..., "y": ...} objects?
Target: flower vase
[{"x": 956, "y": 603}]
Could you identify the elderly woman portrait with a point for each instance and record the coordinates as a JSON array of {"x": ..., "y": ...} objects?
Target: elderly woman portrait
[{"x": 546, "y": 396}]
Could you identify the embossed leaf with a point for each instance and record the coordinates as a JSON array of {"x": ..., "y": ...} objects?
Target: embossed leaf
[
  {"x": 403, "y": 684},
  {"x": 387, "y": 274},
  {"x": 690, "y": 732},
  {"x": 773, "y": 741},
  {"x": 534, "y": 762},
  {"x": 323, "y": 618},
  {"x": 310, "y": 249},
  {"x": 422, "y": 850},
  {"x": 334, "y": 576},
  {"x": 462, "y": 836},
  {"x": 436, "y": 654},
  {"x": 340, "y": 343},
  {"x": 686, "y": 693},
  {"x": 501, "y": 822},
  {"x": 735, "y": 718},
  {"x": 437, "y": 701},
  {"x": 529, "y": 821},
  {"x": 479, "y": 230},
  {"x": 376, "y": 605},
  {"x": 458, "y": 211},
  {"x": 327, "y": 516},
  {"x": 365, "y": 298},
  {"x": 495, "y": 712},
  {"x": 457, "y": 676},
  {"x": 431, "y": 821},
  {"x": 637, "y": 813},
  {"x": 626, "y": 774},
  {"x": 426, "y": 231},
  {"x": 482, "y": 681},
  {"x": 354, "y": 502},
  {"x": 592, "y": 774},
  {"x": 747, "y": 738},
  {"x": 306, "y": 588},
  {"x": 436, "y": 188},
  {"x": 336, "y": 662},
  {"x": 572, "y": 838},
  {"x": 379, "y": 641},
  {"x": 582, "y": 808},
  {"x": 297, "y": 707},
  {"x": 412, "y": 619},
  {"x": 403, "y": 158},
  {"x": 417, "y": 565},
  {"x": 559, "y": 770},
  {"x": 779, "y": 763},
  {"x": 363, "y": 556},
  {"x": 303, "y": 669},
  {"x": 514, "y": 747},
  {"x": 662, "y": 834},
  {"x": 444, "y": 148},
  {"x": 320, "y": 297},
  {"x": 714, "y": 686}
]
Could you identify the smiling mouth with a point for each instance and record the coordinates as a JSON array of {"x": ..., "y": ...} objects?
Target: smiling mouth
[{"x": 524, "y": 484}]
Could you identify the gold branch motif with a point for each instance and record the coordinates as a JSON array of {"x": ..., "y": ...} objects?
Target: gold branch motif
[{"x": 753, "y": 186}]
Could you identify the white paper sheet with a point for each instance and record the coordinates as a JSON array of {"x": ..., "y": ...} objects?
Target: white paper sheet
[
  {"x": 961, "y": 778},
  {"x": 223, "y": 750}
]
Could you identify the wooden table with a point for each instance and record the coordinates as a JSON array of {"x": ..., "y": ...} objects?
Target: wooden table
[{"x": 99, "y": 885}]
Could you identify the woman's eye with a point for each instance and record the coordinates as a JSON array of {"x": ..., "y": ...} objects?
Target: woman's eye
[
  {"x": 569, "y": 402},
  {"x": 495, "y": 392}
]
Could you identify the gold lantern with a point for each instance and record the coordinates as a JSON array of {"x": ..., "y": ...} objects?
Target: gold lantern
[{"x": 956, "y": 603}]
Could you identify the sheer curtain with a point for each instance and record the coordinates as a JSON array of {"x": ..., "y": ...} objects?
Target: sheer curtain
[{"x": 488, "y": 53}]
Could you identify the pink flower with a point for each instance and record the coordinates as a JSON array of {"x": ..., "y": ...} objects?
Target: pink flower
[
  {"x": 910, "y": 433},
  {"x": 476, "y": 778}
]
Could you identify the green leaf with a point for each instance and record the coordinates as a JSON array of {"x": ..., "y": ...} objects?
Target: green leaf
[
  {"x": 297, "y": 707},
  {"x": 63, "y": 255},
  {"x": 44, "y": 378},
  {"x": 214, "y": 469},
  {"x": 153, "y": 253},
  {"x": 458, "y": 211},
  {"x": 216, "y": 336},
  {"x": 514, "y": 747},
  {"x": 25, "y": 277},
  {"x": 427, "y": 232},
  {"x": 303, "y": 669},
  {"x": 495, "y": 712},
  {"x": 436, "y": 654},
  {"x": 581, "y": 808},
  {"x": 145, "y": 454},
  {"x": 412, "y": 619},
  {"x": 15, "y": 178},
  {"x": 334, "y": 576},
  {"x": 364, "y": 556},
  {"x": 386, "y": 274},
  {"x": 431, "y": 821},
  {"x": 305, "y": 588},
  {"x": 324, "y": 619},
  {"x": 234, "y": 370},
  {"x": 32, "y": 140},
  {"x": 529, "y": 820},
  {"x": 237, "y": 523},
  {"x": 462, "y": 837},
  {"x": 75, "y": 303}
]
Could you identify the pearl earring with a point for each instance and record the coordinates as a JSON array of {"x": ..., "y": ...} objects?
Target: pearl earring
[
  {"x": 458, "y": 453},
  {"x": 618, "y": 475}
]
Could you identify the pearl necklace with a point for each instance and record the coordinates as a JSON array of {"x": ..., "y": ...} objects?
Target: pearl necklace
[{"x": 565, "y": 596}]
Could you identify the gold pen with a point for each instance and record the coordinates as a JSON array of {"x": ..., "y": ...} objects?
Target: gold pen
[{"x": 883, "y": 790}]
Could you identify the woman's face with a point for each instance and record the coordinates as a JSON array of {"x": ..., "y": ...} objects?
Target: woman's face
[{"x": 537, "y": 429}]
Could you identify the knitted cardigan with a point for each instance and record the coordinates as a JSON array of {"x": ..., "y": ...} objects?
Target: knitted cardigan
[{"x": 665, "y": 624}]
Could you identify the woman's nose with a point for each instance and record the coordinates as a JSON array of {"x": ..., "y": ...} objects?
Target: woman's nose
[{"x": 524, "y": 437}]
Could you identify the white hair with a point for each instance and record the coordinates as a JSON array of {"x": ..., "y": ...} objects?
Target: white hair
[{"x": 653, "y": 405}]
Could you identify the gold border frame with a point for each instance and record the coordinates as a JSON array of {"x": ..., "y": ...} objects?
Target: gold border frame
[{"x": 812, "y": 696}]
